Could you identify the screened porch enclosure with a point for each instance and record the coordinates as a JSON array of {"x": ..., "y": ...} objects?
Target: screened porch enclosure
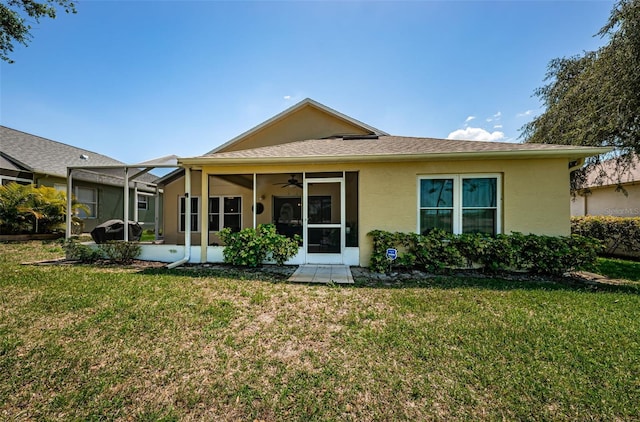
[{"x": 321, "y": 209}]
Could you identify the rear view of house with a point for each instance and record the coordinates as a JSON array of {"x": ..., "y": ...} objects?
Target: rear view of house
[{"x": 329, "y": 178}]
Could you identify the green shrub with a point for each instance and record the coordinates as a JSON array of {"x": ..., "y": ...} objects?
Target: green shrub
[
  {"x": 437, "y": 251},
  {"x": 616, "y": 233},
  {"x": 250, "y": 247},
  {"x": 83, "y": 253},
  {"x": 119, "y": 251},
  {"x": 114, "y": 251},
  {"x": 434, "y": 251}
]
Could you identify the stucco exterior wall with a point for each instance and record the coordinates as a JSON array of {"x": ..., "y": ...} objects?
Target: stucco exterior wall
[
  {"x": 535, "y": 194},
  {"x": 606, "y": 201},
  {"x": 306, "y": 123},
  {"x": 171, "y": 208}
]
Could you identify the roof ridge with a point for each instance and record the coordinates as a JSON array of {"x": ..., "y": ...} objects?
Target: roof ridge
[
  {"x": 60, "y": 143},
  {"x": 290, "y": 110}
]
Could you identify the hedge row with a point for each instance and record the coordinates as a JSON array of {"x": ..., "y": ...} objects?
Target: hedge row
[
  {"x": 437, "y": 251},
  {"x": 618, "y": 234}
]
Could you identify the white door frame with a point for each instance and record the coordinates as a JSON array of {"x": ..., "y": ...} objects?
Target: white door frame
[{"x": 323, "y": 258}]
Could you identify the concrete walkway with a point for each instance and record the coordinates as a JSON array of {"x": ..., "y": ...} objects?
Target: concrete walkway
[{"x": 308, "y": 273}]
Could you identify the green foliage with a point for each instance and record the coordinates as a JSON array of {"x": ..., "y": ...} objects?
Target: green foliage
[
  {"x": 13, "y": 199},
  {"x": 15, "y": 16},
  {"x": 593, "y": 99},
  {"x": 120, "y": 252},
  {"x": 250, "y": 247},
  {"x": 83, "y": 253},
  {"x": 115, "y": 251},
  {"x": 616, "y": 233},
  {"x": 437, "y": 251},
  {"x": 30, "y": 209},
  {"x": 434, "y": 251}
]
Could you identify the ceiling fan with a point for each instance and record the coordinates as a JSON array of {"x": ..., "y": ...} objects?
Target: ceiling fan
[{"x": 291, "y": 182}]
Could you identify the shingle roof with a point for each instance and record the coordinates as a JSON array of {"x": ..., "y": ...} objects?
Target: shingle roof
[
  {"x": 45, "y": 156},
  {"x": 9, "y": 165},
  {"x": 41, "y": 155},
  {"x": 391, "y": 146},
  {"x": 608, "y": 174}
]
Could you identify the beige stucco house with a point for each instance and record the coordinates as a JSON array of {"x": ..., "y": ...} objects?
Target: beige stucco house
[
  {"x": 313, "y": 171},
  {"x": 617, "y": 196}
]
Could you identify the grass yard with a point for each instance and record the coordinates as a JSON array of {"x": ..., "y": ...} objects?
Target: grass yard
[
  {"x": 619, "y": 268},
  {"x": 108, "y": 343}
]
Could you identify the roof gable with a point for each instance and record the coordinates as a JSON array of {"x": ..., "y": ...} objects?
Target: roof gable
[{"x": 307, "y": 119}]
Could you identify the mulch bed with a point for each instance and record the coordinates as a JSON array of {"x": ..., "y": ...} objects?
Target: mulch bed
[{"x": 362, "y": 274}]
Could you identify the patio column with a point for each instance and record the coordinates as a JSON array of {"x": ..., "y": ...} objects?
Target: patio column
[
  {"x": 156, "y": 202},
  {"x": 135, "y": 201},
  {"x": 126, "y": 204},
  {"x": 204, "y": 215},
  {"x": 255, "y": 206},
  {"x": 69, "y": 202}
]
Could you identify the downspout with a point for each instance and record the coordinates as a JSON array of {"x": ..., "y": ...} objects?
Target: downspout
[
  {"x": 573, "y": 168},
  {"x": 69, "y": 203},
  {"x": 156, "y": 202},
  {"x": 577, "y": 166},
  {"x": 187, "y": 220},
  {"x": 125, "y": 212}
]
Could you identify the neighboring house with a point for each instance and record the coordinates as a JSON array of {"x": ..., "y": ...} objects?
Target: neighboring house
[
  {"x": 620, "y": 198},
  {"x": 26, "y": 158},
  {"x": 331, "y": 179}
]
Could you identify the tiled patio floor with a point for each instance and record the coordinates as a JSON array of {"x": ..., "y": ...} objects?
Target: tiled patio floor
[{"x": 308, "y": 273}]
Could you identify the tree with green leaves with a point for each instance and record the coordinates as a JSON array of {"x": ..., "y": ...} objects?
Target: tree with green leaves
[
  {"x": 594, "y": 99},
  {"x": 15, "y": 17},
  {"x": 31, "y": 209}
]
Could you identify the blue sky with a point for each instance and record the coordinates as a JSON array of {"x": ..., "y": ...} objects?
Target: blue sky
[{"x": 137, "y": 80}]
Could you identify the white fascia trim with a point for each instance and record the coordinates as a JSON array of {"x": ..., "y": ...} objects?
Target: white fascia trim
[{"x": 572, "y": 154}]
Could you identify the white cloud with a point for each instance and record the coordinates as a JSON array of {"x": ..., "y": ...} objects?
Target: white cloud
[
  {"x": 470, "y": 118},
  {"x": 476, "y": 134},
  {"x": 524, "y": 114},
  {"x": 497, "y": 126},
  {"x": 497, "y": 115},
  {"x": 287, "y": 97},
  {"x": 489, "y": 119}
]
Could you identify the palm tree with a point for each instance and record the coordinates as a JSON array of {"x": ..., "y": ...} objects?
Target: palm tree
[{"x": 27, "y": 208}]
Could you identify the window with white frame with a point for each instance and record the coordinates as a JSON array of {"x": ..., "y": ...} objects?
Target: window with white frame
[
  {"x": 195, "y": 213},
  {"x": 460, "y": 203},
  {"x": 225, "y": 211},
  {"x": 143, "y": 202},
  {"x": 5, "y": 180},
  {"x": 89, "y": 198}
]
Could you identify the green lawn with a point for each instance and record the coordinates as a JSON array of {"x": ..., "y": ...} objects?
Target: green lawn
[
  {"x": 619, "y": 268},
  {"x": 107, "y": 343}
]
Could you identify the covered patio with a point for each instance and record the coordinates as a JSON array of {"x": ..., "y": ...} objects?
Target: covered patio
[{"x": 320, "y": 208}]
